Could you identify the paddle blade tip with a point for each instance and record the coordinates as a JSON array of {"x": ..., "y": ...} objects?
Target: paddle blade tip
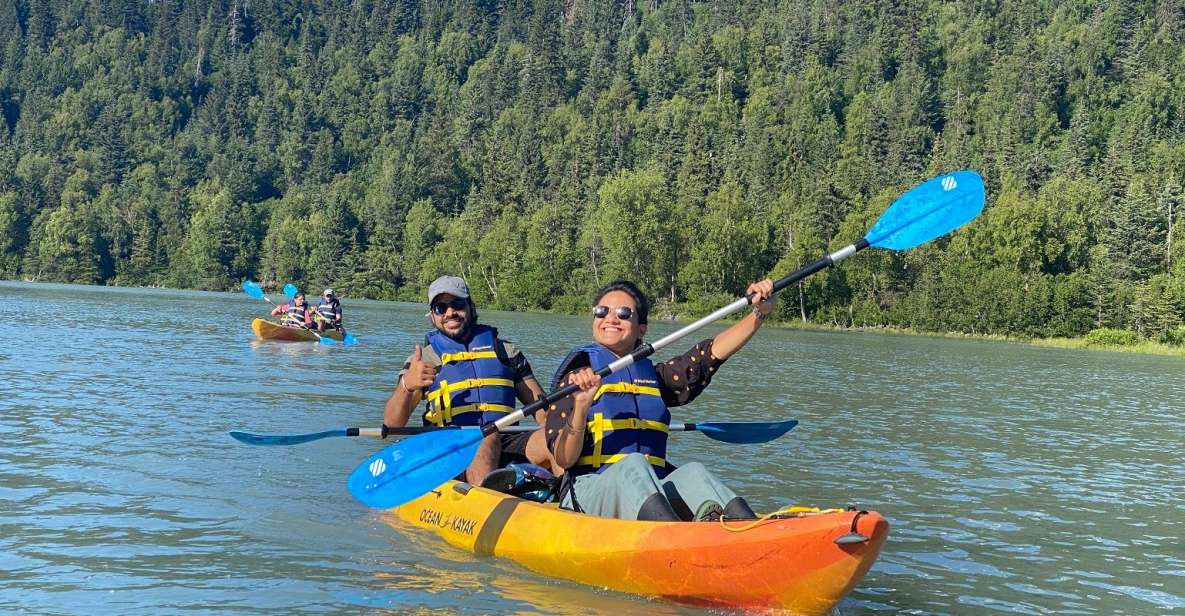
[
  {"x": 252, "y": 289},
  {"x": 406, "y": 470},
  {"x": 245, "y": 437},
  {"x": 746, "y": 433},
  {"x": 931, "y": 209}
]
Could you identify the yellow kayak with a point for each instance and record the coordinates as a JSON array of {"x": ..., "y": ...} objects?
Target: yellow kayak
[
  {"x": 804, "y": 561},
  {"x": 267, "y": 330}
]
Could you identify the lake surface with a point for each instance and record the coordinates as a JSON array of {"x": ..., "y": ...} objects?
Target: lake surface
[{"x": 1017, "y": 479}]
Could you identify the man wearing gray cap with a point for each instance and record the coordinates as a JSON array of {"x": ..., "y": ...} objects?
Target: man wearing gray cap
[
  {"x": 328, "y": 314},
  {"x": 469, "y": 376}
]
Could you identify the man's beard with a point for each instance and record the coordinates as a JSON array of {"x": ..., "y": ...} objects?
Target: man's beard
[{"x": 462, "y": 331}]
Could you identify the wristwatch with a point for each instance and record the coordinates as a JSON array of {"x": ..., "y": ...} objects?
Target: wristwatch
[{"x": 760, "y": 316}]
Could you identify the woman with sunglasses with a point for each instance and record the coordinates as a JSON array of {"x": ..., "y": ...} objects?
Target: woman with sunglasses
[
  {"x": 469, "y": 376},
  {"x": 611, "y": 435}
]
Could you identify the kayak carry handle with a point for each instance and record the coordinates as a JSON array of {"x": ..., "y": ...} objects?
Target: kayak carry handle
[{"x": 852, "y": 537}]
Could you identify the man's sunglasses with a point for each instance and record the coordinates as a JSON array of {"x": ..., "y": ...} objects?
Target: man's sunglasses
[
  {"x": 623, "y": 312},
  {"x": 457, "y": 304}
]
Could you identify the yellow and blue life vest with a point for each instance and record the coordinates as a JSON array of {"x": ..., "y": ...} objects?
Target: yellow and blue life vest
[
  {"x": 327, "y": 312},
  {"x": 294, "y": 315},
  {"x": 473, "y": 386},
  {"x": 627, "y": 415}
]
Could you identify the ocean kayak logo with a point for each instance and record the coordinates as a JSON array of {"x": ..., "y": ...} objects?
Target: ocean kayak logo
[
  {"x": 949, "y": 183},
  {"x": 438, "y": 519},
  {"x": 377, "y": 467}
]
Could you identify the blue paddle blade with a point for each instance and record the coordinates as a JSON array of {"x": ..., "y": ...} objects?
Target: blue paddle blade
[
  {"x": 745, "y": 432},
  {"x": 252, "y": 289},
  {"x": 326, "y": 340},
  {"x": 284, "y": 439},
  {"x": 931, "y": 209},
  {"x": 349, "y": 339},
  {"x": 413, "y": 466},
  {"x": 290, "y": 290}
]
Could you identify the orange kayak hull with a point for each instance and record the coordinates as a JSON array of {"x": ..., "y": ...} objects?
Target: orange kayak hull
[
  {"x": 789, "y": 563},
  {"x": 267, "y": 330}
]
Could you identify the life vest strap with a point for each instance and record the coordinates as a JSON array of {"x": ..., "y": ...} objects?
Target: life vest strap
[
  {"x": 627, "y": 388},
  {"x": 467, "y": 356},
  {"x": 598, "y": 461},
  {"x": 441, "y": 416},
  {"x": 447, "y": 388},
  {"x": 600, "y": 425}
]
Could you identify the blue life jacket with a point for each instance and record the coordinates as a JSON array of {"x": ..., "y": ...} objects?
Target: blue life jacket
[
  {"x": 327, "y": 312},
  {"x": 627, "y": 415},
  {"x": 473, "y": 386},
  {"x": 294, "y": 315}
]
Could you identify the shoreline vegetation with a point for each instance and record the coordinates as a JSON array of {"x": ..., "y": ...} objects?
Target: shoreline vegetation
[
  {"x": 1126, "y": 342},
  {"x": 1146, "y": 347},
  {"x": 1088, "y": 342}
]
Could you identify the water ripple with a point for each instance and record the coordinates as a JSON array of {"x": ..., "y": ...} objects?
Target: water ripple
[{"x": 1017, "y": 480}]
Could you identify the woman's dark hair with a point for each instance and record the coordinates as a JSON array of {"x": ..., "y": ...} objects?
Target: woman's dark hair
[{"x": 630, "y": 289}]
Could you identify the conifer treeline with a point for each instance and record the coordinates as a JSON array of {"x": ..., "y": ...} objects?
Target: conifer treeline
[{"x": 542, "y": 147}]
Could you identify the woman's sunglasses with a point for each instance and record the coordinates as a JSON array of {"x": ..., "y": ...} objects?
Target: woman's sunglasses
[
  {"x": 457, "y": 304},
  {"x": 623, "y": 312}
]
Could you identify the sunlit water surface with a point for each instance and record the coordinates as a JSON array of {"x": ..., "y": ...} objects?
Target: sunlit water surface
[{"x": 1017, "y": 479}]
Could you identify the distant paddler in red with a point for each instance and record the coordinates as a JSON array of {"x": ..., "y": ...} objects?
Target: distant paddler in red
[{"x": 296, "y": 314}]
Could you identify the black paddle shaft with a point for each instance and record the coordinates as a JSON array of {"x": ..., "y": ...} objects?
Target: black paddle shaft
[{"x": 822, "y": 264}]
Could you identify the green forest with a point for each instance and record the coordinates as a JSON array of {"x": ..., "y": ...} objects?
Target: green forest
[{"x": 541, "y": 148}]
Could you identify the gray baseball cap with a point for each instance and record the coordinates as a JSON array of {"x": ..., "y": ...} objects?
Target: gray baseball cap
[{"x": 448, "y": 284}]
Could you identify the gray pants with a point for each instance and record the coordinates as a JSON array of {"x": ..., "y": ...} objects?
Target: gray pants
[{"x": 622, "y": 489}]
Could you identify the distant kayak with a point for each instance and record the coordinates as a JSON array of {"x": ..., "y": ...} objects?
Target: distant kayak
[
  {"x": 267, "y": 330},
  {"x": 803, "y": 562}
]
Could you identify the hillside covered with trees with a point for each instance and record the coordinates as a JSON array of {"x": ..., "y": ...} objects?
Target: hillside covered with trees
[{"x": 543, "y": 147}]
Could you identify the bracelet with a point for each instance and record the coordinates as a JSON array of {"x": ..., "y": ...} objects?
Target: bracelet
[{"x": 400, "y": 385}]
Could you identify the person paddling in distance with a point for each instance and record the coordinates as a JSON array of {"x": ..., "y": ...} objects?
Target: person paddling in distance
[
  {"x": 328, "y": 314},
  {"x": 469, "y": 376},
  {"x": 611, "y": 435},
  {"x": 296, "y": 314}
]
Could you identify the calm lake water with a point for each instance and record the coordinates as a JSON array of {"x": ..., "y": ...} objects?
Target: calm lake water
[{"x": 1018, "y": 480}]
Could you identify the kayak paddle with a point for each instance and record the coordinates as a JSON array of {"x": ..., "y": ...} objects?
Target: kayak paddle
[
  {"x": 414, "y": 466},
  {"x": 347, "y": 338},
  {"x": 740, "y": 432},
  {"x": 725, "y": 431},
  {"x": 254, "y": 290}
]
